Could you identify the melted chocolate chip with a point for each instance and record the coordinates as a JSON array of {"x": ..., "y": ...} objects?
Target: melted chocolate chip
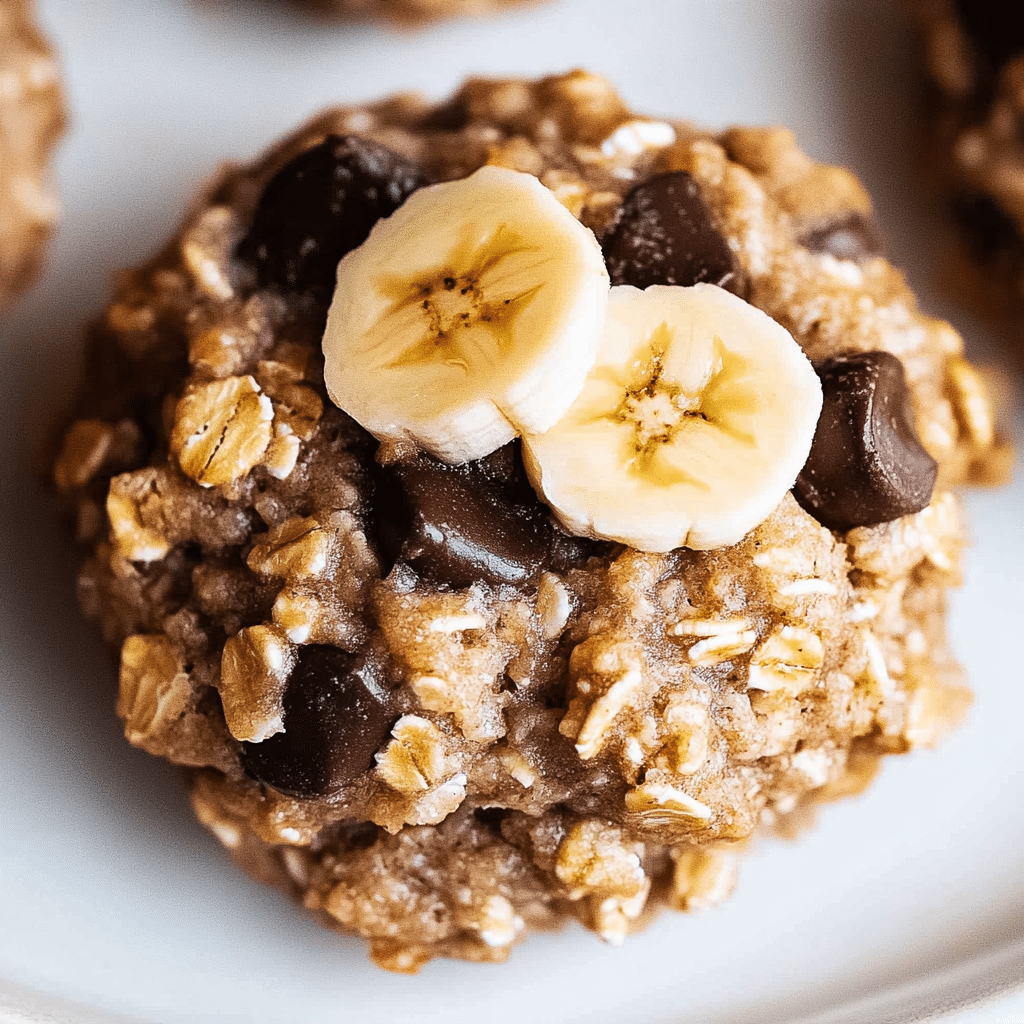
[
  {"x": 853, "y": 237},
  {"x": 455, "y": 525},
  {"x": 867, "y": 464},
  {"x": 320, "y": 206},
  {"x": 337, "y": 714},
  {"x": 665, "y": 235},
  {"x": 996, "y": 27}
]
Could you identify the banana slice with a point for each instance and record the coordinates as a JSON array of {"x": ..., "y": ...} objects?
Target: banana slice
[
  {"x": 693, "y": 423},
  {"x": 471, "y": 313}
]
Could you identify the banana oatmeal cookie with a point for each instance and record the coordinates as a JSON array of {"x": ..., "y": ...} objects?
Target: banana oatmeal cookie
[
  {"x": 505, "y": 507},
  {"x": 975, "y": 60},
  {"x": 31, "y": 120}
]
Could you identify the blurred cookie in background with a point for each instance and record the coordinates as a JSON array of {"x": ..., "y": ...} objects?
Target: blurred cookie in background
[
  {"x": 975, "y": 60},
  {"x": 409, "y": 13},
  {"x": 32, "y": 118}
]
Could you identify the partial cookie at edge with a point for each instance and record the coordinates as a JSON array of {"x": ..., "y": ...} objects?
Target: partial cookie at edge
[
  {"x": 974, "y": 56},
  {"x": 411, "y": 13},
  {"x": 32, "y": 118}
]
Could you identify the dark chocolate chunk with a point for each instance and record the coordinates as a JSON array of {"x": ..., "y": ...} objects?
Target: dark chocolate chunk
[
  {"x": 867, "y": 464},
  {"x": 320, "y": 206},
  {"x": 665, "y": 235},
  {"x": 337, "y": 714},
  {"x": 996, "y": 27},
  {"x": 854, "y": 237},
  {"x": 456, "y": 525}
]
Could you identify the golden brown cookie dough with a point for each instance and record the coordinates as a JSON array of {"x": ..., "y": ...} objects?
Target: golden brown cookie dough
[
  {"x": 31, "y": 120},
  {"x": 975, "y": 62},
  {"x": 490, "y": 726}
]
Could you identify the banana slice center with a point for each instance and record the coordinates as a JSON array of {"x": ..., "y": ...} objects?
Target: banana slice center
[
  {"x": 458, "y": 303},
  {"x": 654, "y": 407},
  {"x": 656, "y": 415},
  {"x": 467, "y": 319},
  {"x": 656, "y": 410}
]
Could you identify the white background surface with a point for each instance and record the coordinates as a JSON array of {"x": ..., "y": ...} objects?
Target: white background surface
[{"x": 113, "y": 898}]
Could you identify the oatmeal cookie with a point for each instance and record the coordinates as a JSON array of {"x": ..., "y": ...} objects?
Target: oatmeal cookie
[
  {"x": 31, "y": 120},
  {"x": 505, "y": 507},
  {"x": 975, "y": 61}
]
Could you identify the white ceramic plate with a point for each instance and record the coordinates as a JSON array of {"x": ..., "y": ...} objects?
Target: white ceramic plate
[{"x": 115, "y": 904}]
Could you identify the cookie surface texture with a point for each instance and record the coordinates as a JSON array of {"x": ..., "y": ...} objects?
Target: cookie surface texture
[
  {"x": 31, "y": 120},
  {"x": 403, "y": 692}
]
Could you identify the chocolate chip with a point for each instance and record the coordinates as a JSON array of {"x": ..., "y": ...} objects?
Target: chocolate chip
[
  {"x": 996, "y": 27},
  {"x": 854, "y": 237},
  {"x": 665, "y": 235},
  {"x": 337, "y": 714},
  {"x": 320, "y": 206},
  {"x": 867, "y": 464},
  {"x": 455, "y": 525}
]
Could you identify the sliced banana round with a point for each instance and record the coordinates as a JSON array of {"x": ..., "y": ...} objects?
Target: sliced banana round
[
  {"x": 693, "y": 423},
  {"x": 471, "y": 313}
]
